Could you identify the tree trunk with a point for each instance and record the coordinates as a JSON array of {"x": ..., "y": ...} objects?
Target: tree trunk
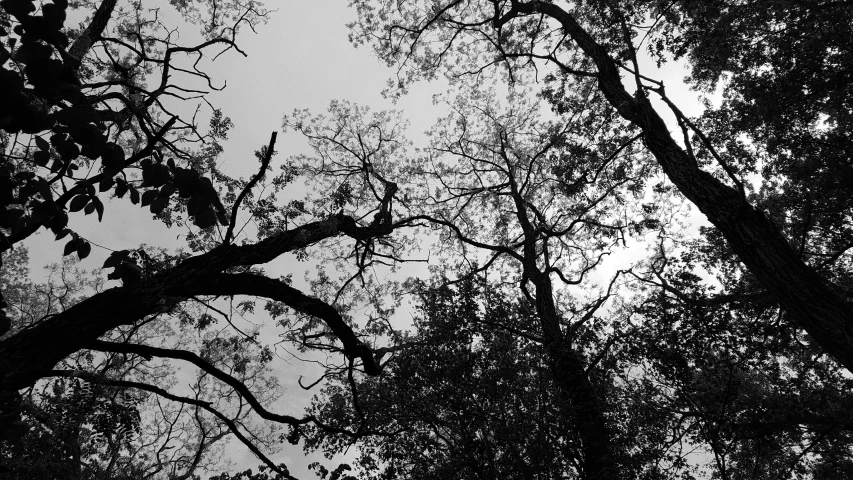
[
  {"x": 81, "y": 46},
  {"x": 580, "y": 399}
]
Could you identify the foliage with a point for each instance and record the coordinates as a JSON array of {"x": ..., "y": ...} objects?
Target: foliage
[
  {"x": 107, "y": 132},
  {"x": 786, "y": 111},
  {"x": 717, "y": 356},
  {"x": 81, "y": 427},
  {"x": 709, "y": 159},
  {"x": 467, "y": 399},
  {"x": 80, "y": 115}
]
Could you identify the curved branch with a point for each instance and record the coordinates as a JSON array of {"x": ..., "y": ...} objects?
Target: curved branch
[
  {"x": 250, "y": 284},
  {"x": 175, "y": 398},
  {"x": 240, "y": 387},
  {"x": 25, "y": 356}
]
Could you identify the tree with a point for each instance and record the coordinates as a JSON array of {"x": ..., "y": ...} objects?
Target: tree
[
  {"x": 734, "y": 380},
  {"x": 591, "y": 43},
  {"x": 91, "y": 95},
  {"x": 528, "y": 191},
  {"x": 78, "y": 97},
  {"x": 492, "y": 183},
  {"x": 79, "y": 426},
  {"x": 700, "y": 390},
  {"x": 462, "y": 397},
  {"x": 531, "y": 200}
]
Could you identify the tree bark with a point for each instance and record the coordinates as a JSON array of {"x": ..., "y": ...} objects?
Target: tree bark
[
  {"x": 81, "y": 46},
  {"x": 813, "y": 303}
]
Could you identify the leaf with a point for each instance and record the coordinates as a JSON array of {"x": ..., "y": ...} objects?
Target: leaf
[
  {"x": 134, "y": 195},
  {"x": 68, "y": 150},
  {"x": 57, "y": 165},
  {"x": 84, "y": 249},
  {"x": 58, "y": 138},
  {"x": 19, "y": 8},
  {"x": 58, "y": 221},
  {"x": 168, "y": 189},
  {"x": 106, "y": 184},
  {"x": 71, "y": 246},
  {"x": 78, "y": 202},
  {"x": 89, "y": 208},
  {"x": 149, "y": 197},
  {"x": 155, "y": 175},
  {"x": 159, "y": 204},
  {"x": 99, "y": 207},
  {"x": 112, "y": 157},
  {"x": 206, "y": 218},
  {"x": 41, "y": 158},
  {"x": 194, "y": 206},
  {"x": 62, "y": 234},
  {"x": 121, "y": 188},
  {"x": 131, "y": 274},
  {"x": 116, "y": 258},
  {"x": 42, "y": 144}
]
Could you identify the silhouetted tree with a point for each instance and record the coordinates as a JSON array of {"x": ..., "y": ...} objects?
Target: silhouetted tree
[{"x": 786, "y": 113}]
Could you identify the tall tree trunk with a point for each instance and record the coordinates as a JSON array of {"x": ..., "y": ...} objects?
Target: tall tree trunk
[
  {"x": 567, "y": 365},
  {"x": 580, "y": 399},
  {"x": 815, "y": 304}
]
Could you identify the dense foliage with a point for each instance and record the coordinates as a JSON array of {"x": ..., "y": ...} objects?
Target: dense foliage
[{"x": 717, "y": 355}]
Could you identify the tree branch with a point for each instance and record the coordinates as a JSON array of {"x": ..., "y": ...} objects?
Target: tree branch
[
  {"x": 175, "y": 398},
  {"x": 265, "y": 162},
  {"x": 240, "y": 387}
]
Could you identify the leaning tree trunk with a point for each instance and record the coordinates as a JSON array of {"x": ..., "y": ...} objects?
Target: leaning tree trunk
[{"x": 813, "y": 303}]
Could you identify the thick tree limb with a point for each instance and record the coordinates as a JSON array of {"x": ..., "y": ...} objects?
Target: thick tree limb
[
  {"x": 250, "y": 284},
  {"x": 25, "y": 356},
  {"x": 92, "y": 33}
]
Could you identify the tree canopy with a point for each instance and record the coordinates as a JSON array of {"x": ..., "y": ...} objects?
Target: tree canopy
[{"x": 725, "y": 354}]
